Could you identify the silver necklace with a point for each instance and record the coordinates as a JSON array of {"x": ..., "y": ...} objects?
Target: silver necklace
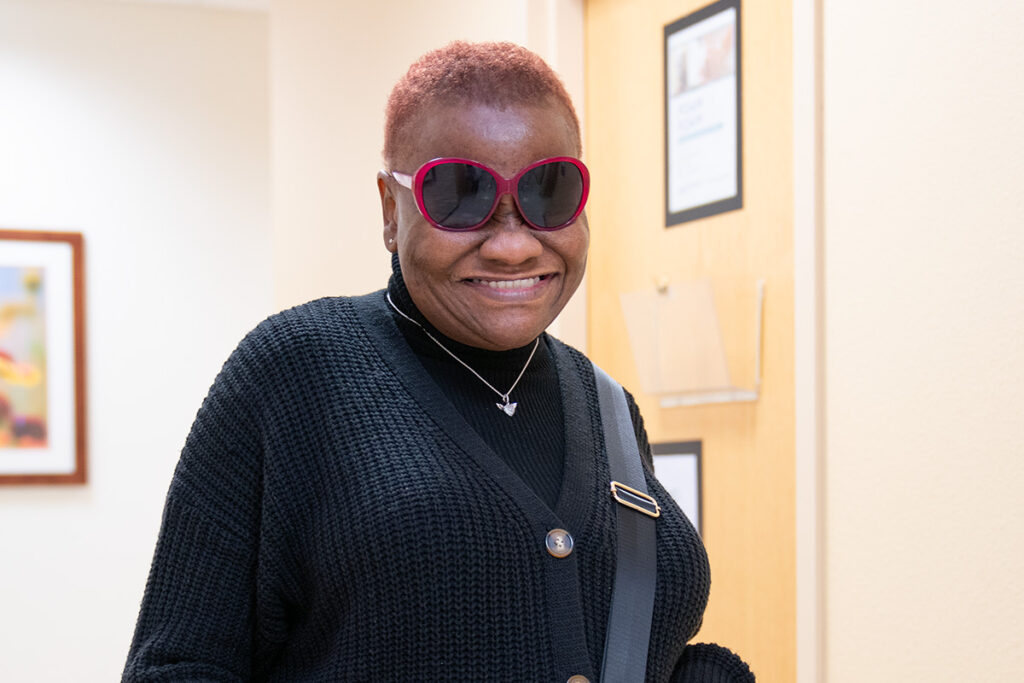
[{"x": 507, "y": 407}]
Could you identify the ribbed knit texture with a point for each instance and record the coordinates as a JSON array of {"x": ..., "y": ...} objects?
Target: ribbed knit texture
[
  {"x": 710, "y": 663},
  {"x": 333, "y": 517}
]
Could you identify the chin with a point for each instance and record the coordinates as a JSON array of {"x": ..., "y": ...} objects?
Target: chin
[{"x": 513, "y": 339}]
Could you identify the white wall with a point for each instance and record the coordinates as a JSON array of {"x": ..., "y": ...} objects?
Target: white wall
[
  {"x": 924, "y": 297},
  {"x": 145, "y": 128},
  {"x": 332, "y": 66}
]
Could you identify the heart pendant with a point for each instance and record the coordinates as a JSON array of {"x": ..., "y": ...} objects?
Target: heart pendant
[{"x": 509, "y": 408}]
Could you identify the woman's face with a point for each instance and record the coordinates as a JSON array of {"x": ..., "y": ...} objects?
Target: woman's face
[{"x": 499, "y": 286}]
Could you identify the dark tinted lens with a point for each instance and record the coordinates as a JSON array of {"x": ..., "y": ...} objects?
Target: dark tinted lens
[
  {"x": 458, "y": 196},
  {"x": 550, "y": 194}
]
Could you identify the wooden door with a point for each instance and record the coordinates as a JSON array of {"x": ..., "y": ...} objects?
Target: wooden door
[{"x": 748, "y": 448}]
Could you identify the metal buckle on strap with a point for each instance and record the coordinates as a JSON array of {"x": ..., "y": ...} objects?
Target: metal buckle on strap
[{"x": 638, "y": 500}]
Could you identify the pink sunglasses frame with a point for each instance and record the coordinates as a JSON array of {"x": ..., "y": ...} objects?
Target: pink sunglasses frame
[{"x": 414, "y": 182}]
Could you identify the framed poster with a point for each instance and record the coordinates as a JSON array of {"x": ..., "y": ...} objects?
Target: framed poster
[
  {"x": 703, "y": 132},
  {"x": 677, "y": 466},
  {"x": 42, "y": 358}
]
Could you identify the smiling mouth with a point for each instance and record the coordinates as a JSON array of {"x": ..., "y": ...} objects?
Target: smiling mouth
[{"x": 523, "y": 283}]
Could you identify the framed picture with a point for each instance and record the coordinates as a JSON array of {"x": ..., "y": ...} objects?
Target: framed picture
[
  {"x": 677, "y": 466},
  {"x": 703, "y": 135},
  {"x": 42, "y": 358}
]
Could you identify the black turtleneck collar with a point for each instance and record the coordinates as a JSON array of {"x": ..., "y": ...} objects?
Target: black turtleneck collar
[{"x": 532, "y": 441}]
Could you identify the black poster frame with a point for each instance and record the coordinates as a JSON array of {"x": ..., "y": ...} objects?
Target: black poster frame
[
  {"x": 728, "y": 203},
  {"x": 695, "y": 448}
]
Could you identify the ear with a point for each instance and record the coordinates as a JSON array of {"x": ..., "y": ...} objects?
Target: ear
[{"x": 389, "y": 212}]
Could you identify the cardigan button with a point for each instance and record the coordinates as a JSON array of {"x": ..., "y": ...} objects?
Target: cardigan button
[
  {"x": 578, "y": 679},
  {"x": 559, "y": 544}
]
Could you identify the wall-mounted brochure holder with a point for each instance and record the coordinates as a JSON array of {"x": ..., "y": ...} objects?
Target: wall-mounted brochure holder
[{"x": 677, "y": 343}]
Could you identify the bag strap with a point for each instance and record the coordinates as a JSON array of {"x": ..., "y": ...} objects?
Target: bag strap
[{"x": 629, "y": 619}]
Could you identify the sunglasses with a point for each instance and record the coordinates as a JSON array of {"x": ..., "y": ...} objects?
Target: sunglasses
[{"x": 460, "y": 194}]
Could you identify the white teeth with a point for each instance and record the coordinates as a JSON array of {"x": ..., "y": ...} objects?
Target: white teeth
[{"x": 511, "y": 284}]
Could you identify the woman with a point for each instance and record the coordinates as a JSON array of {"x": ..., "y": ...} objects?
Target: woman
[{"x": 411, "y": 485}]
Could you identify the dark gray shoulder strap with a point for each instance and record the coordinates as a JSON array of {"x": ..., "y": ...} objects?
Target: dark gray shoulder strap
[{"x": 629, "y": 619}]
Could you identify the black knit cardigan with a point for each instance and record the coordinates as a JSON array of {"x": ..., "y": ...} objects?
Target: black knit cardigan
[{"x": 334, "y": 518}]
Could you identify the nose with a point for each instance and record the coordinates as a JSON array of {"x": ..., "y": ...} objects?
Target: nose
[{"x": 509, "y": 239}]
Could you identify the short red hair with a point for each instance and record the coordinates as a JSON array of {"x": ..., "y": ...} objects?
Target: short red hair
[{"x": 496, "y": 74}]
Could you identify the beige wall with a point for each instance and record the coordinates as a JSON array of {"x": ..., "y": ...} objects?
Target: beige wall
[
  {"x": 145, "y": 128},
  {"x": 924, "y": 297},
  {"x": 808, "y": 341}
]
